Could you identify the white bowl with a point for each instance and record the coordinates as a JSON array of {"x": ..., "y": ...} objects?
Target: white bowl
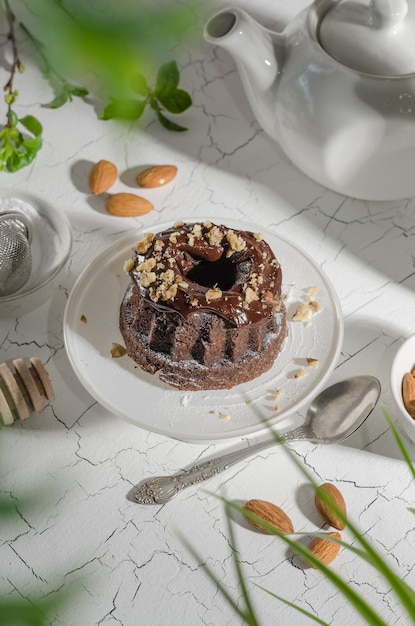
[
  {"x": 403, "y": 362},
  {"x": 51, "y": 243}
]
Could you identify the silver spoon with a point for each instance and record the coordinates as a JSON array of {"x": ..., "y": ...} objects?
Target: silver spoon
[{"x": 335, "y": 414}]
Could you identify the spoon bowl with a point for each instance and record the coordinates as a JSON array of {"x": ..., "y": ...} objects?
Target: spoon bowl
[
  {"x": 339, "y": 410},
  {"x": 335, "y": 414}
]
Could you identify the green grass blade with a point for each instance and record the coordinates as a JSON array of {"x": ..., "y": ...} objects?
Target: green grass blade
[
  {"x": 294, "y": 606},
  {"x": 222, "y": 589},
  {"x": 399, "y": 441},
  {"x": 249, "y": 607}
]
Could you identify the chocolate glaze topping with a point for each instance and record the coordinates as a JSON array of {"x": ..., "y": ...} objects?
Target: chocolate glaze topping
[{"x": 205, "y": 267}]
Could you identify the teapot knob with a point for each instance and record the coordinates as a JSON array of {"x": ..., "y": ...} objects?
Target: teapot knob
[{"x": 386, "y": 13}]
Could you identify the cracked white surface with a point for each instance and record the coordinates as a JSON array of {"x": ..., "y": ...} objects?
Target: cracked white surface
[{"x": 126, "y": 562}]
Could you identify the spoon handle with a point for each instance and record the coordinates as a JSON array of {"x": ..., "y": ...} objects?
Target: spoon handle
[{"x": 161, "y": 489}]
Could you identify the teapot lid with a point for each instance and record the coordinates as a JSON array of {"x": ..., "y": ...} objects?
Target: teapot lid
[{"x": 376, "y": 37}]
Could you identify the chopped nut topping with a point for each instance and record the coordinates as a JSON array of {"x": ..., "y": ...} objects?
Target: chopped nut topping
[
  {"x": 312, "y": 362},
  {"x": 214, "y": 236},
  {"x": 169, "y": 293},
  {"x": 167, "y": 276},
  {"x": 258, "y": 236},
  {"x": 194, "y": 302},
  {"x": 158, "y": 246},
  {"x": 300, "y": 373},
  {"x": 143, "y": 245},
  {"x": 197, "y": 230},
  {"x": 153, "y": 294},
  {"x": 207, "y": 224},
  {"x": 303, "y": 312},
  {"x": 250, "y": 295},
  {"x": 147, "y": 278},
  {"x": 84, "y": 319},
  {"x": 173, "y": 238},
  {"x": 128, "y": 265},
  {"x": 183, "y": 284},
  {"x": 213, "y": 294},
  {"x": 178, "y": 224},
  {"x": 147, "y": 265},
  {"x": 236, "y": 242}
]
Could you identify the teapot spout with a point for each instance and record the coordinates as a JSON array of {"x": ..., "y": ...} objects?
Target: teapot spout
[{"x": 253, "y": 48}]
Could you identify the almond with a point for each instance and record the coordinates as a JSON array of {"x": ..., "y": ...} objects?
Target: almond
[
  {"x": 328, "y": 499},
  {"x": 127, "y": 205},
  {"x": 102, "y": 176},
  {"x": 408, "y": 392},
  {"x": 156, "y": 176},
  {"x": 270, "y": 513},
  {"x": 325, "y": 549}
]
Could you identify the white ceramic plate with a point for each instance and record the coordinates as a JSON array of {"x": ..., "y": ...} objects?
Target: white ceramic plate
[
  {"x": 91, "y": 326},
  {"x": 51, "y": 241}
]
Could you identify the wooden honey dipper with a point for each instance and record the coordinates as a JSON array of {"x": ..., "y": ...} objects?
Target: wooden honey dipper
[{"x": 23, "y": 390}]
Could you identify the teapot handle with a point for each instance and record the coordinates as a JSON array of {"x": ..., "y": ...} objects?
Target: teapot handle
[{"x": 387, "y": 13}]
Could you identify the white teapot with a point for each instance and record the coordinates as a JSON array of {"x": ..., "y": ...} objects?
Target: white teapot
[{"x": 336, "y": 89}]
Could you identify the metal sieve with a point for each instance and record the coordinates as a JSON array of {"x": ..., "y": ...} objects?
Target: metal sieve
[{"x": 15, "y": 251}]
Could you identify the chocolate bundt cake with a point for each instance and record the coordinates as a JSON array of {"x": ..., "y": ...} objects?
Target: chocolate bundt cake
[{"x": 203, "y": 307}]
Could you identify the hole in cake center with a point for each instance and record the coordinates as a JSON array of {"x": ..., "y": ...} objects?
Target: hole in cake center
[{"x": 220, "y": 273}]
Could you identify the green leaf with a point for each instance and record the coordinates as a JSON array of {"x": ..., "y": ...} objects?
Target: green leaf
[
  {"x": 177, "y": 101},
  {"x": 167, "y": 79},
  {"x": 12, "y": 118},
  {"x": 21, "y": 611},
  {"x": 164, "y": 121},
  {"x": 32, "y": 125},
  {"x": 139, "y": 84},
  {"x": 59, "y": 101},
  {"x": 81, "y": 92},
  {"x": 19, "y": 160},
  {"x": 124, "y": 110},
  {"x": 33, "y": 144}
]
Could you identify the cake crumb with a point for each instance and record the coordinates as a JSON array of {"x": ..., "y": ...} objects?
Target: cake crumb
[
  {"x": 315, "y": 306},
  {"x": 312, "y": 292},
  {"x": 312, "y": 362},
  {"x": 277, "y": 395},
  {"x": 84, "y": 319},
  {"x": 117, "y": 351},
  {"x": 225, "y": 417},
  {"x": 300, "y": 373}
]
